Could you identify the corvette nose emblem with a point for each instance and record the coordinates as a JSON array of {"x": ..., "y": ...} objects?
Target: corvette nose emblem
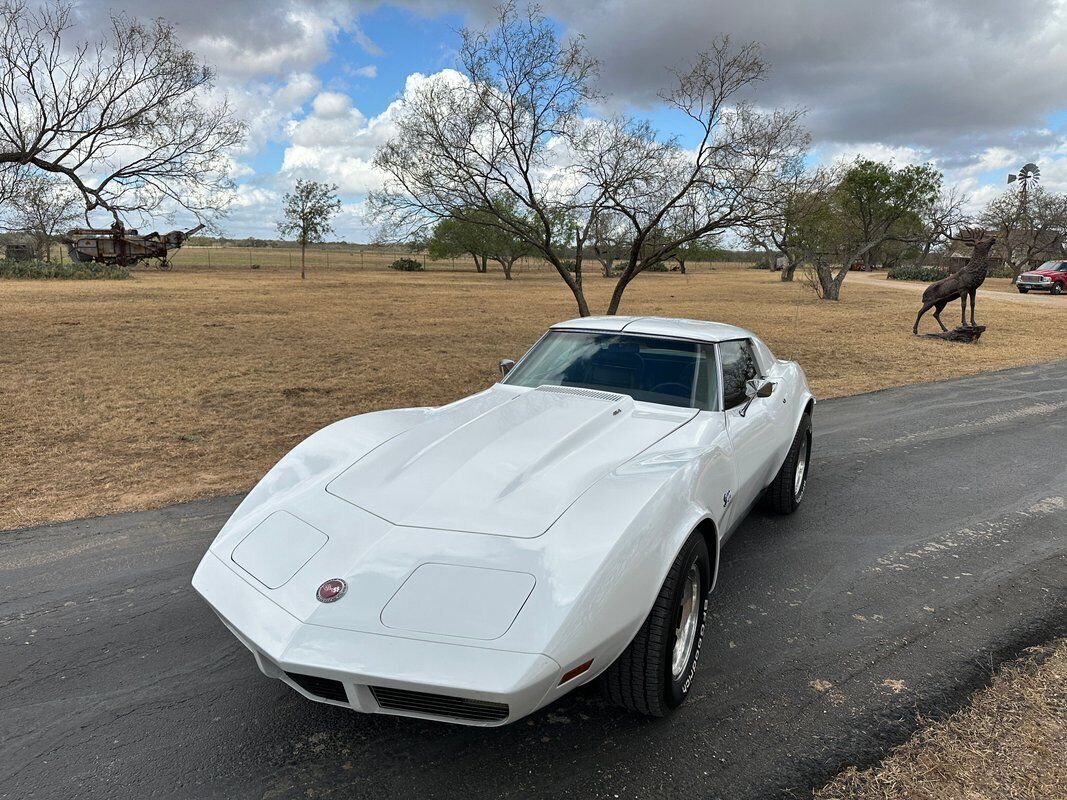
[{"x": 331, "y": 591}]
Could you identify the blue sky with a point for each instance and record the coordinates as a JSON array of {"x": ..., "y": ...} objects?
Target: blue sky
[{"x": 913, "y": 81}]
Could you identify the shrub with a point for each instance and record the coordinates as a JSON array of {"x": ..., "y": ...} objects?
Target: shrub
[
  {"x": 910, "y": 272},
  {"x": 407, "y": 265},
  {"x": 761, "y": 265},
  {"x": 67, "y": 271},
  {"x": 1000, "y": 271}
]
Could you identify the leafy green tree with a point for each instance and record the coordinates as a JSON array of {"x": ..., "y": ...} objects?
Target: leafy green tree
[
  {"x": 453, "y": 237},
  {"x": 306, "y": 214},
  {"x": 800, "y": 194},
  {"x": 479, "y": 235},
  {"x": 873, "y": 203}
]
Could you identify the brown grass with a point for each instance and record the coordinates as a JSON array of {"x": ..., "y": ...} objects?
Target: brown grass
[
  {"x": 1009, "y": 742},
  {"x": 133, "y": 394}
]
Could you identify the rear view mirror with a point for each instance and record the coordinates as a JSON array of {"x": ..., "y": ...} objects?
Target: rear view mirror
[{"x": 505, "y": 366}]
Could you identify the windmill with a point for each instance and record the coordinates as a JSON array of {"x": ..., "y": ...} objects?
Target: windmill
[{"x": 1028, "y": 176}]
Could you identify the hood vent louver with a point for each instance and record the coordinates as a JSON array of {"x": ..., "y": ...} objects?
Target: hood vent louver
[{"x": 577, "y": 391}]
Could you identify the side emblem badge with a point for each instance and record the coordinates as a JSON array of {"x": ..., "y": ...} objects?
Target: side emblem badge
[
  {"x": 331, "y": 591},
  {"x": 726, "y": 498}
]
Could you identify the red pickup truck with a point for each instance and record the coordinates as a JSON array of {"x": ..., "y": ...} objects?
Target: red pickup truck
[{"x": 1049, "y": 277}]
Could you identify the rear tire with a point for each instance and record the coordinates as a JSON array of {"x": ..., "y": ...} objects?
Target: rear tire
[
  {"x": 786, "y": 491},
  {"x": 653, "y": 675}
]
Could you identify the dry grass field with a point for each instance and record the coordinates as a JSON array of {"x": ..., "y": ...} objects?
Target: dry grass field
[
  {"x": 1009, "y": 742},
  {"x": 122, "y": 395}
]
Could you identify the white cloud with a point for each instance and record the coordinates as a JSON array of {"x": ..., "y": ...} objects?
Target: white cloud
[
  {"x": 336, "y": 142},
  {"x": 834, "y": 152},
  {"x": 369, "y": 71}
]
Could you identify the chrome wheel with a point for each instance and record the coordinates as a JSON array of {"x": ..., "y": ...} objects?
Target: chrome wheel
[
  {"x": 801, "y": 474},
  {"x": 688, "y": 616}
]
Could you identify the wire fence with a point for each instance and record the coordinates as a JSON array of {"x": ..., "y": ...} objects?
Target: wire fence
[{"x": 344, "y": 259}]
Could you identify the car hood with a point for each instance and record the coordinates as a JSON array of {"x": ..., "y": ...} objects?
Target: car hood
[
  {"x": 1044, "y": 273},
  {"x": 506, "y": 462}
]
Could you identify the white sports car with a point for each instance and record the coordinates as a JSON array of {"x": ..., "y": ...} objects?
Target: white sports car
[{"x": 475, "y": 562}]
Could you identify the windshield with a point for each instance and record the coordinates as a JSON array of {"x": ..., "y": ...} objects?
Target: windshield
[
  {"x": 648, "y": 368},
  {"x": 1055, "y": 266}
]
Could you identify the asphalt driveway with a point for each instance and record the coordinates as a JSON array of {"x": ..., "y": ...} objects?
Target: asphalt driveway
[{"x": 932, "y": 545}]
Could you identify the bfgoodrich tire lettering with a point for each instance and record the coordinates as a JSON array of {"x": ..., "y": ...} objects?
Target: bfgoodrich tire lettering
[{"x": 644, "y": 678}]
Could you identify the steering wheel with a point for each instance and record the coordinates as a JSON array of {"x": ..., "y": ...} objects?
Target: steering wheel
[{"x": 662, "y": 388}]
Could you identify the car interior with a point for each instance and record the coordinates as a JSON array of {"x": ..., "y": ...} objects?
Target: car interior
[{"x": 645, "y": 368}]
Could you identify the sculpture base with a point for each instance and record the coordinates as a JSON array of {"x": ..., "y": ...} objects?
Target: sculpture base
[{"x": 964, "y": 333}]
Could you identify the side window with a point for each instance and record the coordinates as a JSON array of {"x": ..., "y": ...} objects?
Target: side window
[
  {"x": 707, "y": 380},
  {"x": 738, "y": 365}
]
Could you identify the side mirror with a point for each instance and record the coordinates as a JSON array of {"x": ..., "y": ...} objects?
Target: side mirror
[
  {"x": 756, "y": 387},
  {"x": 505, "y": 366}
]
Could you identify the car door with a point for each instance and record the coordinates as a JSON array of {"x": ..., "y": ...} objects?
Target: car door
[{"x": 750, "y": 426}]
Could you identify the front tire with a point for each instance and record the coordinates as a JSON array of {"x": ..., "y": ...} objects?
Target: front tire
[
  {"x": 787, "y": 489},
  {"x": 655, "y": 672},
  {"x": 1056, "y": 288},
  {"x": 1023, "y": 290}
]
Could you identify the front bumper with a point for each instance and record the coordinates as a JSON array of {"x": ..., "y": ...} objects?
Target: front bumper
[{"x": 377, "y": 674}]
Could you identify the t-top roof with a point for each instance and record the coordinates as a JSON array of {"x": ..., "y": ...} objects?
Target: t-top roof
[{"x": 700, "y": 330}]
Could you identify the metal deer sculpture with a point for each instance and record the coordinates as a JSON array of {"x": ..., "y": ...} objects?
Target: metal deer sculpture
[{"x": 961, "y": 284}]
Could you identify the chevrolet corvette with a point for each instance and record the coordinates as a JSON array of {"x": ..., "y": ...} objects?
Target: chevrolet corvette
[{"x": 474, "y": 562}]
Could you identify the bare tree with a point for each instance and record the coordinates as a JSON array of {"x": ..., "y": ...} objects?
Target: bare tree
[
  {"x": 306, "y": 214},
  {"x": 943, "y": 216},
  {"x": 11, "y": 177},
  {"x": 121, "y": 118},
  {"x": 801, "y": 194},
  {"x": 608, "y": 238},
  {"x": 45, "y": 207},
  {"x": 1030, "y": 231},
  {"x": 518, "y": 125}
]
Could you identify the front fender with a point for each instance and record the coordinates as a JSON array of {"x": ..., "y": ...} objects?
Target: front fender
[
  {"x": 319, "y": 457},
  {"x": 614, "y": 548}
]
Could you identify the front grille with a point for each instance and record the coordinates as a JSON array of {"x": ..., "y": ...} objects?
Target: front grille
[
  {"x": 439, "y": 705},
  {"x": 320, "y": 687}
]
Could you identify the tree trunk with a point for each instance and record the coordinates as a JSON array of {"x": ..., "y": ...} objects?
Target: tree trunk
[
  {"x": 788, "y": 270},
  {"x": 681, "y": 265},
  {"x": 477, "y": 266},
  {"x": 303, "y": 250},
  {"x": 507, "y": 264},
  {"x": 485, "y": 265},
  {"x": 574, "y": 282},
  {"x": 829, "y": 287},
  {"x": 628, "y": 273}
]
